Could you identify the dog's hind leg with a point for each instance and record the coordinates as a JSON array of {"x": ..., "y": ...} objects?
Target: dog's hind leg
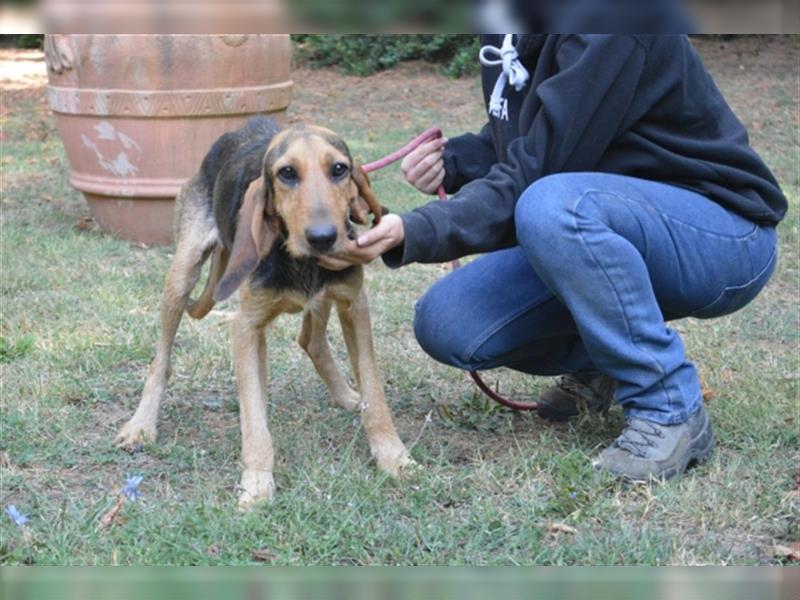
[
  {"x": 197, "y": 309},
  {"x": 349, "y": 335},
  {"x": 313, "y": 340},
  {"x": 197, "y": 237}
]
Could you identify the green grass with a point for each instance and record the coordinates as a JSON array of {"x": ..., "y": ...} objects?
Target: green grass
[{"x": 79, "y": 312}]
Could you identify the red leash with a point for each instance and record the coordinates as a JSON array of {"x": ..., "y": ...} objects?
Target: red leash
[{"x": 429, "y": 134}]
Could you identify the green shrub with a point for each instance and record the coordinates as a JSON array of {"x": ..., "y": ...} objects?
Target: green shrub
[
  {"x": 29, "y": 40},
  {"x": 367, "y": 54}
]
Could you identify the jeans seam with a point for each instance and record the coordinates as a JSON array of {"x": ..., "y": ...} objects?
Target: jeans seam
[
  {"x": 473, "y": 348},
  {"x": 742, "y": 286},
  {"x": 611, "y": 282},
  {"x": 741, "y": 238},
  {"x": 738, "y": 238}
]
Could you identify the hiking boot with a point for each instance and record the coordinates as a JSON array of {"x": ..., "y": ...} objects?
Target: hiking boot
[
  {"x": 646, "y": 449},
  {"x": 571, "y": 393}
]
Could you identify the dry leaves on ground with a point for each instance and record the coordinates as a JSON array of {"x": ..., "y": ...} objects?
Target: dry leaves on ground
[
  {"x": 561, "y": 528},
  {"x": 262, "y": 555}
]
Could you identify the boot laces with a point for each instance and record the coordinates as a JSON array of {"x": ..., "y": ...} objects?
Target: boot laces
[{"x": 637, "y": 436}]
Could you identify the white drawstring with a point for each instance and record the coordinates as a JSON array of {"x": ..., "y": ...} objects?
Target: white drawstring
[{"x": 513, "y": 71}]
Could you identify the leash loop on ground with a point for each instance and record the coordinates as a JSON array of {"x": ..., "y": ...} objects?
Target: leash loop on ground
[{"x": 429, "y": 134}]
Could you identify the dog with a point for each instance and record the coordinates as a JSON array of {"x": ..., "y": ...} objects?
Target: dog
[{"x": 265, "y": 204}]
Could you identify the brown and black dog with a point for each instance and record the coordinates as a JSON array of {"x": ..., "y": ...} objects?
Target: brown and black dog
[{"x": 264, "y": 205}]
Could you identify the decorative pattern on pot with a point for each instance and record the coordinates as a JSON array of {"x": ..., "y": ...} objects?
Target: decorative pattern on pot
[{"x": 136, "y": 114}]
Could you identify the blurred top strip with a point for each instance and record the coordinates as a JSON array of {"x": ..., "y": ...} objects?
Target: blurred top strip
[{"x": 400, "y": 16}]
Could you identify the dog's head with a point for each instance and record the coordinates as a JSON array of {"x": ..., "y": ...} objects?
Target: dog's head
[{"x": 308, "y": 191}]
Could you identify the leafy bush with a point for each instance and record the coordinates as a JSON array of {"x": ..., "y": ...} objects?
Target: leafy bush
[
  {"x": 367, "y": 54},
  {"x": 29, "y": 40}
]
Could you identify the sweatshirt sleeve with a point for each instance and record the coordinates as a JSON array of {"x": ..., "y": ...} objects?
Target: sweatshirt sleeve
[
  {"x": 468, "y": 157},
  {"x": 581, "y": 109}
]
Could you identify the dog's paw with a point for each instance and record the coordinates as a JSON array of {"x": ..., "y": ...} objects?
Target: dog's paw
[
  {"x": 258, "y": 487},
  {"x": 133, "y": 436},
  {"x": 396, "y": 461},
  {"x": 348, "y": 401}
]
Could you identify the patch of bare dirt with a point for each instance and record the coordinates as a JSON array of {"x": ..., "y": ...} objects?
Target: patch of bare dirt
[
  {"x": 23, "y": 77},
  {"x": 22, "y": 69},
  {"x": 389, "y": 97}
]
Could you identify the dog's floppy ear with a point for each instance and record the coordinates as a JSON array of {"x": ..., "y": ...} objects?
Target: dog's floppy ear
[
  {"x": 255, "y": 233},
  {"x": 364, "y": 202}
]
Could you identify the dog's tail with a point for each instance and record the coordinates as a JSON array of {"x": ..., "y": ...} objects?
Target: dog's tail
[{"x": 199, "y": 308}]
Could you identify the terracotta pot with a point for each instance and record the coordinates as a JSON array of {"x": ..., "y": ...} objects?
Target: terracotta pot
[{"x": 137, "y": 114}]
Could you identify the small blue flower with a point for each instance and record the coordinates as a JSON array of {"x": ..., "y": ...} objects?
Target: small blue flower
[
  {"x": 573, "y": 495},
  {"x": 131, "y": 489},
  {"x": 16, "y": 516}
]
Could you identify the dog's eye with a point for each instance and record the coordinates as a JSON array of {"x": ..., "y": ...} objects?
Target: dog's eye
[
  {"x": 287, "y": 174},
  {"x": 339, "y": 170}
]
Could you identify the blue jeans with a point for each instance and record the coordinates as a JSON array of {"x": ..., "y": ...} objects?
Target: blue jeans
[{"x": 603, "y": 261}]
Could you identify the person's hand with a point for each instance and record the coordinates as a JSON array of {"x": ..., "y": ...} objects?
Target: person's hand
[
  {"x": 371, "y": 244},
  {"x": 423, "y": 167}
]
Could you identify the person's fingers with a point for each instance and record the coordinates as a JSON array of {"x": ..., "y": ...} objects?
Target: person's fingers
[
  {"x": 416, "y": 173},
  {"x": 390, "y": 230},
  {"x": 423, "y": 168},
  {"x": 372, "y": 235},
  {"x": 422, "y": 180},
  {"x": 436, "y": 183},
  {"x": 431, "y": 179},
  {"x": 414, "y": 157},
  {"x": 433, "y": 186},
  {"x": 424, "y": 149},
  {"x": 370, "y": 245},
  {"x": 352, "y": 254}
]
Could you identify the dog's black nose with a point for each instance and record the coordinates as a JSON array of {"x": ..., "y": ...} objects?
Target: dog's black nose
[{"x": 321, "y": 237}]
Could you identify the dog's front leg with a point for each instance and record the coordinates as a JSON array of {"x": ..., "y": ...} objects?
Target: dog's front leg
[
  {"x": 250, "y": 362},
  {"x": 388, "y": 450}
]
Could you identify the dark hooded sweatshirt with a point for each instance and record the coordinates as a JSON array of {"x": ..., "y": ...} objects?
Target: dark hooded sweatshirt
[{"x": 642, "y": 106}]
